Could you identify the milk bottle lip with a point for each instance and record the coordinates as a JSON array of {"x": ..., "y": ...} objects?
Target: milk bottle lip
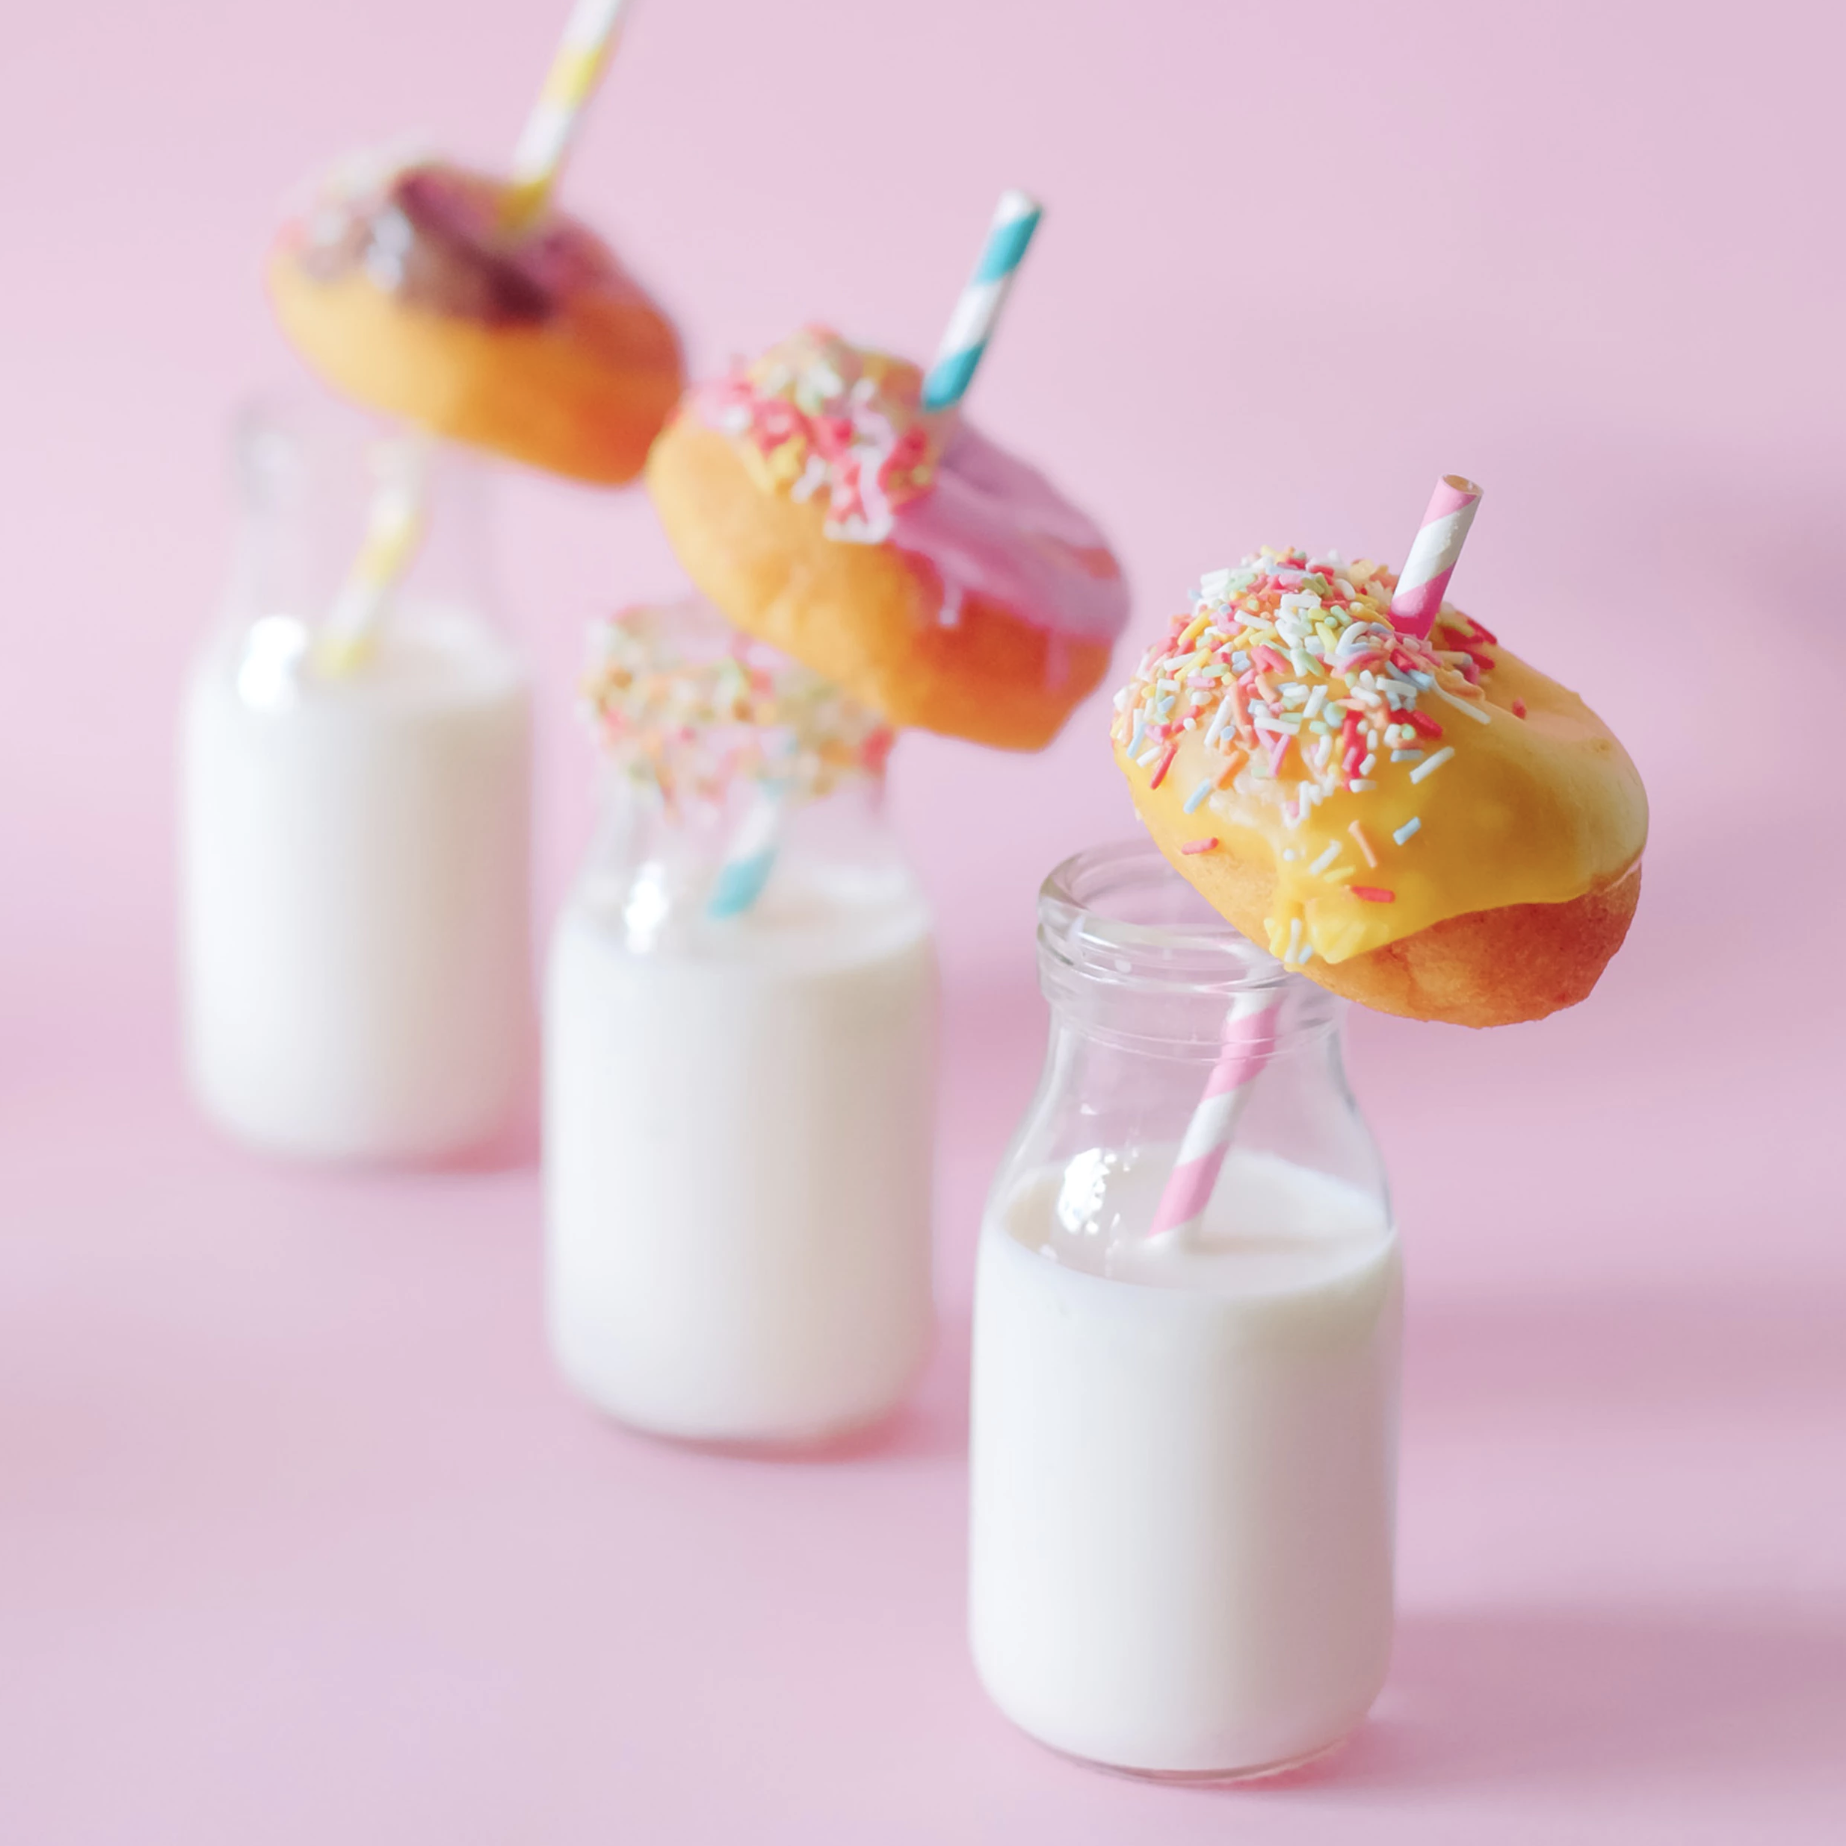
[
  {"x": 1121, "y": 913},
  {"x": 1129, "y": 952}
]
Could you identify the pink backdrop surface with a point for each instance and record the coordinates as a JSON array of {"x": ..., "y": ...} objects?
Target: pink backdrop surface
[{"x": 299, "y": 1538}]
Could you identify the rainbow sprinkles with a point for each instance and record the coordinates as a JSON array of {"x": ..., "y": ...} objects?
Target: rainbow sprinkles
[
  {"x": 1303, "y": 694},
  {"x": 687, "y": 723},
  {"x": 817, "y": 416}
]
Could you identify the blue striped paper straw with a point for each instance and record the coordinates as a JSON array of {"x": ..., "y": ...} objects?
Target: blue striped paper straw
[
  {"x": 751, "y": 859},
  {"x": 972, "y": 323}
]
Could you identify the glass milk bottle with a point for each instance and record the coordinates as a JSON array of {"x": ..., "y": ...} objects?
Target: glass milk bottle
[
  {"x": 739, "y": 1056},
  {"x": 355, "y": 813},
  {"x": 1185, "y": 1373}
]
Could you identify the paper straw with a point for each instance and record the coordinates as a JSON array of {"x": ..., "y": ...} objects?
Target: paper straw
[
  {"x": 972, "y": 324},
  {"x": 393, "y": 530},
  {"x": 582, "y": 56},
  {"x": 1249, "y": 1037},
  {"x": 394, "y": 524},
  {"x": 1426, "y": 572},
  {"x": 751, "y": 859}
]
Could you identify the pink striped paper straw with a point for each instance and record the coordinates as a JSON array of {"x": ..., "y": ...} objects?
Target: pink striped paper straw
[
  {"x": 1426, "y": 573},
  {"x": 1249, "y": 1037}
]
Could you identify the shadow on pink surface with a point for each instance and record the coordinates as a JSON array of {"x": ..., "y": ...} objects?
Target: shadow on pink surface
[
  {"x": 1503, "y": 1696},
  {"x": 931, "y": 1424},
  {"x": 1665, "y": 1353}
]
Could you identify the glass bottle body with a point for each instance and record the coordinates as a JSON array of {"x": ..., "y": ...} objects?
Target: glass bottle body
[
  {"x": 1183, "y": 1444},
  {"x": 739, "y": 1126},
  {"x": 355, "y": 844}
]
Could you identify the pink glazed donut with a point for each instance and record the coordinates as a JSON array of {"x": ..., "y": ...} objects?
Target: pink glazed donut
[{"x": 894, "y": 550}]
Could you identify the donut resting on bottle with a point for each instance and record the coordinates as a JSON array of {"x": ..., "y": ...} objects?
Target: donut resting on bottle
[
  {"x": 408, "y": 292},
  {"x": 899, "y": 553},
  {"x": 1431, "y": 828}
]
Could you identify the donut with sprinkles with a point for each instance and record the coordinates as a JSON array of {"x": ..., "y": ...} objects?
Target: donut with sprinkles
[{"x": 1424, "y": 824}]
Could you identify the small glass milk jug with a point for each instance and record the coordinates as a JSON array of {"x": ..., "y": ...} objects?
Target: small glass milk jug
[
  {"x": 1187, "y": 1327},
  {"x": 355, "y": 818},
  {"x": 739, "y": 1055}
]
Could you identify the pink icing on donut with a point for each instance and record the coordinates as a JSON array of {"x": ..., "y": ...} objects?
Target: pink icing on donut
[
  {"x": 993, "y": 526},
  {"x": 819, "y": 418},
  {"x": 431, "y": 235}
]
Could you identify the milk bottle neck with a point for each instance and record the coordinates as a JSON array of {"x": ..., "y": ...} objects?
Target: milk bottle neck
[
  {"x": 656, "y": 873},
  {"x": 1132, "y": 959},
  {"x": 1148, "y": 988},
  {"x": 308, "y": 477}
]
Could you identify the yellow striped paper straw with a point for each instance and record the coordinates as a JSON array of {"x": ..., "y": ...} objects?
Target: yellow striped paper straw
[
  {"x": 583, "y": 54},
  {"x": 394, "y": 525},
  {"x": 393, "y": 530}
]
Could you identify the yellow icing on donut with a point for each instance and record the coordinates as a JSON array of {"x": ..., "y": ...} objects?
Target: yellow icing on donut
[
  {"x": 1532, "y": 810},
  {"x": 1526, "y": 797}
]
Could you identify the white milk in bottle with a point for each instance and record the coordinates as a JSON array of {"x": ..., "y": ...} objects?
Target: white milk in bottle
[
  {"x": 1183, "y": 1447},
  {"x": 355, "y": 843},
  {"x": 739, "y": 1066}
]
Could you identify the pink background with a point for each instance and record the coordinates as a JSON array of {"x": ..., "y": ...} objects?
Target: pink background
[{"x": 299, "y": 1540}]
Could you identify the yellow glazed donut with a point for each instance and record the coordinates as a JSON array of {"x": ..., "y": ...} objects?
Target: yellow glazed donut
[
  {"x": 896, "y": 551},
  {"x": 403, "y": 289},
  {"x": 1430, "y": 827}
]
